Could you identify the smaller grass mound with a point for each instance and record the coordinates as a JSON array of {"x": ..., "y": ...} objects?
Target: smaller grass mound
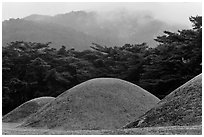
[
  {"x": 182, "y": 107},
  {"x": 22, "y": 112}
]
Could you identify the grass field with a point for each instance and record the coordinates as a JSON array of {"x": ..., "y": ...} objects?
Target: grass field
[
  {"x": 180, "y": 113},
  {"x": 12, "y": 129}
]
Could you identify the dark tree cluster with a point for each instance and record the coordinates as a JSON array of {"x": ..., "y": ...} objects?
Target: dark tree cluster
[{"x": 33, "y": 70}]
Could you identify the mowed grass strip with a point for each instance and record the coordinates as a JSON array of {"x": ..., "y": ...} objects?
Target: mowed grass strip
[{"x": 174, "y": 130}]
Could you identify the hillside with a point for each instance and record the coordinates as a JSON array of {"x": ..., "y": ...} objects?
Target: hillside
[
  {"x": 102, "y": 103},
  {"x": 182, "y": 107}
]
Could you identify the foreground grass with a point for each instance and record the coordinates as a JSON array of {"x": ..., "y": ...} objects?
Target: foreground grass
[{"x": 11, "y": 129}]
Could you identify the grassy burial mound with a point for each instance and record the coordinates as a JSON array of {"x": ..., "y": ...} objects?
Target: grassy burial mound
[
  {"x": 22, "y": 112},
  {"x": 182, "y": 107},
  {"x": 102, "y": 103}
]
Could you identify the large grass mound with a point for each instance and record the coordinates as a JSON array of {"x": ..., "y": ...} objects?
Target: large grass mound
[
  {"x": 102, "y": 103},
  {"x": 22, "y": 112},
  {"x": 183, "y": 107}
]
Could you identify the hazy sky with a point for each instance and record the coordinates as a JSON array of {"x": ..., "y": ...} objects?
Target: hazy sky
[{"x": 169, "y": 12}]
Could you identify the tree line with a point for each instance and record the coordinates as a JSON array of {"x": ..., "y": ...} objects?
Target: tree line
[{"x": 31, "y": 69}]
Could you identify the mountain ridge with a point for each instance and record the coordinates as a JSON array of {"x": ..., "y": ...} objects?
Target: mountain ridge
[{"x": 79, "y": 29}]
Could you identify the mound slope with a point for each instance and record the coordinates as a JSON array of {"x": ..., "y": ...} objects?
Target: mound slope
[
  {"x": 102, "y": 103},
  {"x": 22, "y": 112},
  {"x": 182, "y": 107}
]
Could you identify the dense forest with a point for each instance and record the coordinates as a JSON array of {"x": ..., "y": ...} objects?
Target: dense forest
[{"x": 33, "y": 70}]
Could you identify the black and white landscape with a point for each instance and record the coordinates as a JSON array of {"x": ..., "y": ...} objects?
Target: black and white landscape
[{"x": 101, "y": 68}]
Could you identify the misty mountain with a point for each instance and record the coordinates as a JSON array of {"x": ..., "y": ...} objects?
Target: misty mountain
[
  {"x": 79, "y": 29},
  {"x": 23, "y": 30}
]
